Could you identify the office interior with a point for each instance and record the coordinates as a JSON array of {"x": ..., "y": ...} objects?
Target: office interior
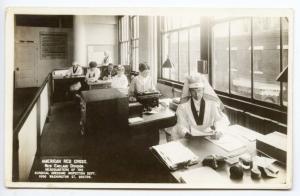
[{"x": 245, "y": 60}]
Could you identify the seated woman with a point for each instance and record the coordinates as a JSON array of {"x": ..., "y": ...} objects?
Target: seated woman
[
  {"x": 120, "y": 80},
  {"x": 141, "y": 83},
  {"x": 93, "y": 73},
  {"x": 75, "y": 70},
  {"x": 201, "y": 113},
  {"x": 107, "y": 72}
]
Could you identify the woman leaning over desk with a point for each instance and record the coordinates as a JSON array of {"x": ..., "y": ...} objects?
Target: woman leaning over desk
[
  {"x": 93, "y": 73},
  {"x": 141, "y": 83}
]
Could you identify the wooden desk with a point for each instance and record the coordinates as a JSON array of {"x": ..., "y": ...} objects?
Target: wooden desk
[
  {"x": 61, "y": 86},
  {"x": 202, "y": 148},
  {"x": 99, "y": 84},
  {"x": 146, "y": 133}
]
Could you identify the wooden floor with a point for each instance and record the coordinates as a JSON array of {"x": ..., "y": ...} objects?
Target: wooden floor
[{"x": 61, "y": 138}]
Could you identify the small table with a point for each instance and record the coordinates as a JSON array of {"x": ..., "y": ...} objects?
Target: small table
[{"x": 146, "y": 132}]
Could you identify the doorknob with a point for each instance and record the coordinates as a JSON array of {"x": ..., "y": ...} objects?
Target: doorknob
[{"x": 17, "y": 69}]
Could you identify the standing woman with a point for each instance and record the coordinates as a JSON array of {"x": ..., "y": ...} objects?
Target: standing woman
[
  {"x": 93, "y": 73},
  {"x": 141, "y": 83}
]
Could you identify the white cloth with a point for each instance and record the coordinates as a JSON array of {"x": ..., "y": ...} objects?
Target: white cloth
[
  {"x": 92, "y": 75},
  {"x": 75, "y": 72},
  {"x": 140, "y": 84},
  {"x": 185, "y": 119},
  {"x": 119, "y": 81},
  {"x": 208, "y": 90}
]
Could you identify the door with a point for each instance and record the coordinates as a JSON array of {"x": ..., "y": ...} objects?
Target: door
[{"x": 25, "y": 65}]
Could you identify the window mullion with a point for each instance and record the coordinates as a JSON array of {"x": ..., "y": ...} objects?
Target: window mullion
[
  {"x": 229, "y": 58},
  {"x": 280, "y": 56},
  {"x": 251, "y": 52},
  {"x": 178, "y": 56}
]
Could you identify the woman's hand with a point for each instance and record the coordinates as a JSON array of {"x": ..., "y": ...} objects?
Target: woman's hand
[{"x": 132, "y": 99}]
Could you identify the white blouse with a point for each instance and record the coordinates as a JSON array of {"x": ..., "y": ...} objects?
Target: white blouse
[
  {"x": 92, "y": 76},
  {"x": 140, "y": 84},
  {"x": 119, "y": 81},
  {"x": 75, "y": 71}
]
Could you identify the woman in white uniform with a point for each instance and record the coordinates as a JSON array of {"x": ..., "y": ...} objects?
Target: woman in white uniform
[
  {"x": 75, "y": 70},
  {"x": 120, "y": 80},
  {"x": 93, "y": 73},
  {"x": 199, "y": 112},
  {"x": 141, "y": 83}
]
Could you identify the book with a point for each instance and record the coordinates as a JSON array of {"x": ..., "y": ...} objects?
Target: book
[
  {"x": 175, "y": 155},
  {"x": 135, "y": 120}
]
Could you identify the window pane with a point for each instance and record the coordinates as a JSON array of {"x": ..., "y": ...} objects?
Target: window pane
[
  {"x": 194, "y": 49},
  {"x": 166, "y": 72},
  {"x": 173, "y": 54},
  {"x": 183, "y": 55},
  {"x": 285, "y": 49},
  {"x": 170, "y": 49},
  {"x": 240, "y": 57},
  {"x": 266, "y": 59},
  {"x": 220, "y": 59}
]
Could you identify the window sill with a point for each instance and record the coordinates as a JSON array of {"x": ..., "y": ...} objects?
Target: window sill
[{"x": 262, "y": 109}]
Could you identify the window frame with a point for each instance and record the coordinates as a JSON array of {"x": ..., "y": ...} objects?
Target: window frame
[
  {"x": 132, "y": 38},
  {"x": 162, "y": 33},
  {"x": 280, "y": 106}
]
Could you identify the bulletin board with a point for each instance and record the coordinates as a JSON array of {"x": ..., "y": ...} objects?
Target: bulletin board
[
  {"x": 53, "y": 45},
  {"x": 96, "y": 53}
]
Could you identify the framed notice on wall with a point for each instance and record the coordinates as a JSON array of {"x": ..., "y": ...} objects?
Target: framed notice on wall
[{"x": 53, "y": 45}]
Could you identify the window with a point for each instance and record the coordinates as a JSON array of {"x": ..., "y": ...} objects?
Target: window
[
  {"x": 194, "y": 49},
  {"x": 135, "y": 42},
  {"x": 220, "y": 58},
  {"x": 285, "y": 47},
  {"x": 129, "y": 41},
  {"x": 240, "y": 57},
  {"x": 251, "y": 49},
  {"x": 181, "y": 44},
  {"x": 266, "y": 59},
  {"x": 124, "y": 40}
]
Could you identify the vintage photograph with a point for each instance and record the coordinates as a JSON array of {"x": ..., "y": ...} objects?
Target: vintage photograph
[{"x": 187, "y": 99}]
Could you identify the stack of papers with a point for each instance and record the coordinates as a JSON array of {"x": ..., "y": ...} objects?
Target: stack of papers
[
  {"x": 175, "y": 155},
  {"x": 135, "y": 120}
]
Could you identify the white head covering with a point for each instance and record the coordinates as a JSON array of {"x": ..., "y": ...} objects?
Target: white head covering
[
  {"x": 197, "y": 79},
  {"x": 74, "y": 63}
]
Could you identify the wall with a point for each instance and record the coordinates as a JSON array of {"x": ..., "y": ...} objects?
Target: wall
[
  {"x": 99, "y": 32},
  {"x": 45, "y": 66}
]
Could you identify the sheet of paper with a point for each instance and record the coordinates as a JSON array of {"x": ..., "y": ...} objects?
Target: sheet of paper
[
  {"x": 263, "y": 161},
  {"x": 135, "y": 119},
  {"x": 202, "y": 175},
  {"x": 196, "y": 132},
  {"x": 228, "y": 142}
]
